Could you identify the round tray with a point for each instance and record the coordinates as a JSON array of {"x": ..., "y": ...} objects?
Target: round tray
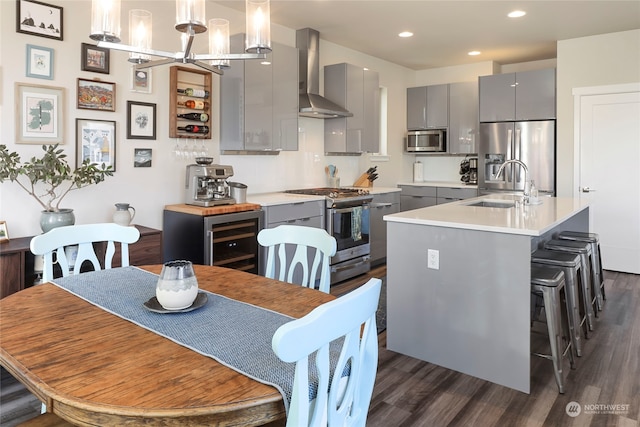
[{"x": 154, "y": 305}]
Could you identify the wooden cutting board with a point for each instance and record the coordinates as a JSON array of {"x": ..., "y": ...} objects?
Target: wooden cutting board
[{"x": 213, "y": 210}]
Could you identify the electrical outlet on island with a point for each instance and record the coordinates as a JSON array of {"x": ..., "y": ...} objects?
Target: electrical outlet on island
[{"x": 433, "y": 259}]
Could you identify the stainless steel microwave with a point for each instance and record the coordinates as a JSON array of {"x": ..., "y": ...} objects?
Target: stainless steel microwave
[{"x": 428, "y": 141}]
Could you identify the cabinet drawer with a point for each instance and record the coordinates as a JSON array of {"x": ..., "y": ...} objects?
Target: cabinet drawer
[
  {"x": 315, "y": 221},
  {"x": 408, "y": 203},
  {"x": 443, "y": 200},
  {"x": 293, "y": 211},
  {"x": 457, "y": 193},
  {"x": 411, "y": 190},
  {"x": 393, "y": 197}
]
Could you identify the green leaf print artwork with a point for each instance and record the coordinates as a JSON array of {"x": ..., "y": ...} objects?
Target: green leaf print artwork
[{"x": 40, "y": 114}]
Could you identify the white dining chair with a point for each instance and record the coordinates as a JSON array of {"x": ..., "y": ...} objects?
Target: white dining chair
[
  {"x": 308, "y": 241},
  {"x": 83, "y": 236},
  {"x": 341, "y": 400}
]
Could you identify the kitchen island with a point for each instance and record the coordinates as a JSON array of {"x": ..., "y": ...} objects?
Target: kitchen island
[{"x": 458, "y": 275}]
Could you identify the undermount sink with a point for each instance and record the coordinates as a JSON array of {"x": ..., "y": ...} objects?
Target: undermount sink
[{"x": 488, "y": 203}]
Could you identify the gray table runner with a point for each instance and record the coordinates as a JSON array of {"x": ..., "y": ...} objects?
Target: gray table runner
[{"x": 233, "y": 333}]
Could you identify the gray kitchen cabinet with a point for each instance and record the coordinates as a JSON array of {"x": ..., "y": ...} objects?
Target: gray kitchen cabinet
[
  {"x": 299, "y": 213},
  {"x": 306, "y": 213},
  {"x": 417, "y": 108},
  {"x": 371, "y": 138},
  {"x": 536, "y": 95},
  {"x": 357, "y": 90},
  {"x": 428, "y": 107},
  {"x": 259, "y": 102},
  {"x": 381, "y": 205},
  {"x": 463, "y": 118},
  {"x": 285, "y": 97},
  {"x": 421, "y": 196},
  {"x": 453, "y": 194},
  {"x": 528, "y": 95},
  {"x": 415, "y": 197}
]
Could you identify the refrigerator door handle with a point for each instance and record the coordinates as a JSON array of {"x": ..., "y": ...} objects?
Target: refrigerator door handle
[
  {"x": 510, "y": 155},
  {"x": 518, "y": 153}
]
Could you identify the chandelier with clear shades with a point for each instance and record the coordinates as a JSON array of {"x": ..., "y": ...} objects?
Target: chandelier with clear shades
[{"x": 190, "y": 20}]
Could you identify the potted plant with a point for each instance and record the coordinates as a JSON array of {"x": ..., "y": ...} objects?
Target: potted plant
[{"x": 54, "y": 173}]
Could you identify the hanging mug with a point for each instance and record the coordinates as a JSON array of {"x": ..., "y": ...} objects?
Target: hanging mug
[{"x": 122, "y": 215}]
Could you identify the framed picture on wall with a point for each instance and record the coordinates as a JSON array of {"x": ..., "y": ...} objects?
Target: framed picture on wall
[
  {"x": 94, "y": 58},
  {"x": 39, "y": 62},
  {"x": 4, "y": 232},
  {"x": 141, "y": 120},
  {"x": 142, "y": 157},
  {"x": 96, "y": 95},
  {"x": 96, "y": 141},
  {"x": 39, "y": 19},
  {"x": 39, "y": 114},
  {"x": 140, "y": 80}
]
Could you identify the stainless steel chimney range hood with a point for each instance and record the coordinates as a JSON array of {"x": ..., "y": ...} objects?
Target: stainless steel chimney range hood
[{"x": 312, "y": 104}]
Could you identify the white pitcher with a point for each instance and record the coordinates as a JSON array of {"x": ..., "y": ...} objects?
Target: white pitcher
[{"x": 122, "y": 215}]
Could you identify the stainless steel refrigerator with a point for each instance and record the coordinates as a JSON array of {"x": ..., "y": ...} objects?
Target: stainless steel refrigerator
[{"x": 532, "y": 142}]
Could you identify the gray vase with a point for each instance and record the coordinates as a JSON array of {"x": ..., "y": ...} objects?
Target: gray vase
[{"x": 50, "y": 220}]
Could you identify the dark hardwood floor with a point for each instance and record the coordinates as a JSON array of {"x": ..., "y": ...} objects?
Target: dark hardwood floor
[{"x": 410, "y": 392}]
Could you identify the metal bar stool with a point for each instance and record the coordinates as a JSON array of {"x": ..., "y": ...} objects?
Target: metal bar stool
[
  {"x": 549, "y": 282},
  {"x": 596, "y": 258},
  {"x": 586, "y": 279},
  {"x": 570, "y": 265}
]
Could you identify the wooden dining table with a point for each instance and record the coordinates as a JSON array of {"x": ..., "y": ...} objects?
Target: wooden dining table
[{"x": 91, "y": 367}]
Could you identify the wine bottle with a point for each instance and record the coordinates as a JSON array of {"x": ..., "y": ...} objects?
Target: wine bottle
[
  {"x": 200, "y": 117},
  {"x": 195, "y": 104},
  {"x": 198, "y": 93},
  {"x": 194, "y": 129}
]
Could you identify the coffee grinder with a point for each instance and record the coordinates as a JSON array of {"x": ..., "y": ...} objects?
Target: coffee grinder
[{"x": 473, "y": 170}]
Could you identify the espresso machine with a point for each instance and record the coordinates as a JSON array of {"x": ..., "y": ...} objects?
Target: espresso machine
[{"x": 206, "y": 185}]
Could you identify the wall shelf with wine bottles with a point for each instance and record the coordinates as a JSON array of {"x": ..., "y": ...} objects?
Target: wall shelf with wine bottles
[{"x": 189, "y": 103}]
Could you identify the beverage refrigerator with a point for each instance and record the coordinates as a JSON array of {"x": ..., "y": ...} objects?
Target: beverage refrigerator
[{"x": 532, "y": 142}]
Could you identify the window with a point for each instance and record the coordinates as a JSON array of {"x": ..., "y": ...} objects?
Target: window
[{"x": 382, "y": 154}]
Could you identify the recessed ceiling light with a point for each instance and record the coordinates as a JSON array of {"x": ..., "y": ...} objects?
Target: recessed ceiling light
[
  {"x": 405, "y": 34},
  {"x": 517, "y": 14},
  {"x": 474, "y": 53}
]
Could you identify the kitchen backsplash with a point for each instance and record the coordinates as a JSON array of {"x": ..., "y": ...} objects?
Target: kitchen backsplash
[{"x": 440, "y": 168}]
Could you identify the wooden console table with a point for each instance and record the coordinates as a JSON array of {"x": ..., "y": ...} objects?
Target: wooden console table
[{"x": 17, "y": 261}]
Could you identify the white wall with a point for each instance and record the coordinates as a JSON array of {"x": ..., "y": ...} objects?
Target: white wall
[
  {"x": 150, "y": 189},
  {"x": 601, "y": 60},
  {"x": 581, "y": 62}
]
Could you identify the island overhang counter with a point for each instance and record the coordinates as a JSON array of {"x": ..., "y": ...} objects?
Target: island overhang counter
[{"x": 458, "y": 292}]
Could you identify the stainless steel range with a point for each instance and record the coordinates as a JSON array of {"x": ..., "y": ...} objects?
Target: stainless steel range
[{"x": 347, "y": 220}]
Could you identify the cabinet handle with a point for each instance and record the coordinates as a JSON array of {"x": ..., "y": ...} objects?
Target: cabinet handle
[
  {"x": 365, "y": 259},
  {"x": 210, "y": 241},
  {"x": 382, "y": 205},
  {"x": 291, "y": 221}
]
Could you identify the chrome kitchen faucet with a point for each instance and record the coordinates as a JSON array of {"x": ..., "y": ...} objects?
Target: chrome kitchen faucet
[{"x": 525, "y": 193}]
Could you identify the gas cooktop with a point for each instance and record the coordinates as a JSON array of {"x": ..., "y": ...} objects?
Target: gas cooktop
[
  {"x": 338, "y": 197},
  {"x": 334, "y": 193}
]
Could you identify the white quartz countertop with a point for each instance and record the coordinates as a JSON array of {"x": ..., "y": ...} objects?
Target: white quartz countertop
[
  {"x": 282, "y": 198},
  {"x": 450, "y": 184},
  {"x": 530, "y": 220}
]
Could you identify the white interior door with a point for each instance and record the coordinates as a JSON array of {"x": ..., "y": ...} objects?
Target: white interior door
[{"x": 609, "y": 174}]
